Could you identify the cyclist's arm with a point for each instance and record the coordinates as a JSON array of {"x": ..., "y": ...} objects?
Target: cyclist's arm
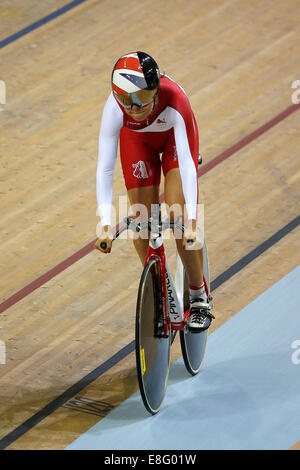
[
  {"x": 186, "y": 164},
  {"x": 111, "y": 123}
]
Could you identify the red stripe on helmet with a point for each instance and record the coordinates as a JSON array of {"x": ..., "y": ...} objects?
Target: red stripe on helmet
[
  {"x": 130, "y": 63},
  {"x": 119, "y": 90}
]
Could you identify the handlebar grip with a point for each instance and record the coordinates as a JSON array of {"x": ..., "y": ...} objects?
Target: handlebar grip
[{"x": 103, "y": 245}]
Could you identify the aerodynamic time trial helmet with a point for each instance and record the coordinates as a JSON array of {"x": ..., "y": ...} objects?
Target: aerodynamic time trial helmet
[{"x": 135, "y": 79}]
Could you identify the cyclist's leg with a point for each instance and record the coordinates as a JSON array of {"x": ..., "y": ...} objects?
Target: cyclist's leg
[{"x": 200, "y": 315}]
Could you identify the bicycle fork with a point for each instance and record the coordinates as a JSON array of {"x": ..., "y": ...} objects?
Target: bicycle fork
[
  {"x": 170, "y": 306},
  {"x": 175, "y": 302}
]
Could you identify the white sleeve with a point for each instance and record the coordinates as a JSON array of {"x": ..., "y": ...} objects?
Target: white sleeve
[
  {"x": 186, "y": 164},
  {"x": 111, "y": 123}
]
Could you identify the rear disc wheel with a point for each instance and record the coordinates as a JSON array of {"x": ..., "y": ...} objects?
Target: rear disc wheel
[{"x": 193, "y": 345}]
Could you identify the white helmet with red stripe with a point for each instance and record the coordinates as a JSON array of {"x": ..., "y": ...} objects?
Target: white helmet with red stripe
[{"x": 135, "y": 79}]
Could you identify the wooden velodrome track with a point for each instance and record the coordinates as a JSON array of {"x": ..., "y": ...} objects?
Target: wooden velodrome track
[{"x": 237, "y": 61}]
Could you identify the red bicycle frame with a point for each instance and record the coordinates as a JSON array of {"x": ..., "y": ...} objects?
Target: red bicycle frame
[{"x": 159, "y": 254}]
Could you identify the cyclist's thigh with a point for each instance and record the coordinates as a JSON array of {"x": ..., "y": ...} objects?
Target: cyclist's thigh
[{"x": 141, "y": 199}]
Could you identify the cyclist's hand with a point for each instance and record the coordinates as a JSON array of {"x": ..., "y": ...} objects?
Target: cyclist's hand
[
  {"x": 104, "y": 242},
  {"x": 191, "y": 237}
]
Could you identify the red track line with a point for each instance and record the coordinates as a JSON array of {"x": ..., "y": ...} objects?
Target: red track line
[
  {"x": 46, "y": 277},
  {"x": 90, "y": 246},
  {"x": 247, "y": 139}
]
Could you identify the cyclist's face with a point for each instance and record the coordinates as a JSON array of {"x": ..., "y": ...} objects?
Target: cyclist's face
[{"x": 140, "y": 114}]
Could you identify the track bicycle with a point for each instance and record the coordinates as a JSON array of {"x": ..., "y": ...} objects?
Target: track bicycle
[{"x": 163, "y": 307}]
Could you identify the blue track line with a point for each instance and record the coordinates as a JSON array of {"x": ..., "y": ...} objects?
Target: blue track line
[{"x": 40, "y": 23}]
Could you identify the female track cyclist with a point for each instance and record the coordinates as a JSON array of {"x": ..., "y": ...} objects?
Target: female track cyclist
[{"x": 151, "y": 115}]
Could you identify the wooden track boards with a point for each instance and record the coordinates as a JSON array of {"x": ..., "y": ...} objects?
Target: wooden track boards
[{"x": 236, "y": 60}]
